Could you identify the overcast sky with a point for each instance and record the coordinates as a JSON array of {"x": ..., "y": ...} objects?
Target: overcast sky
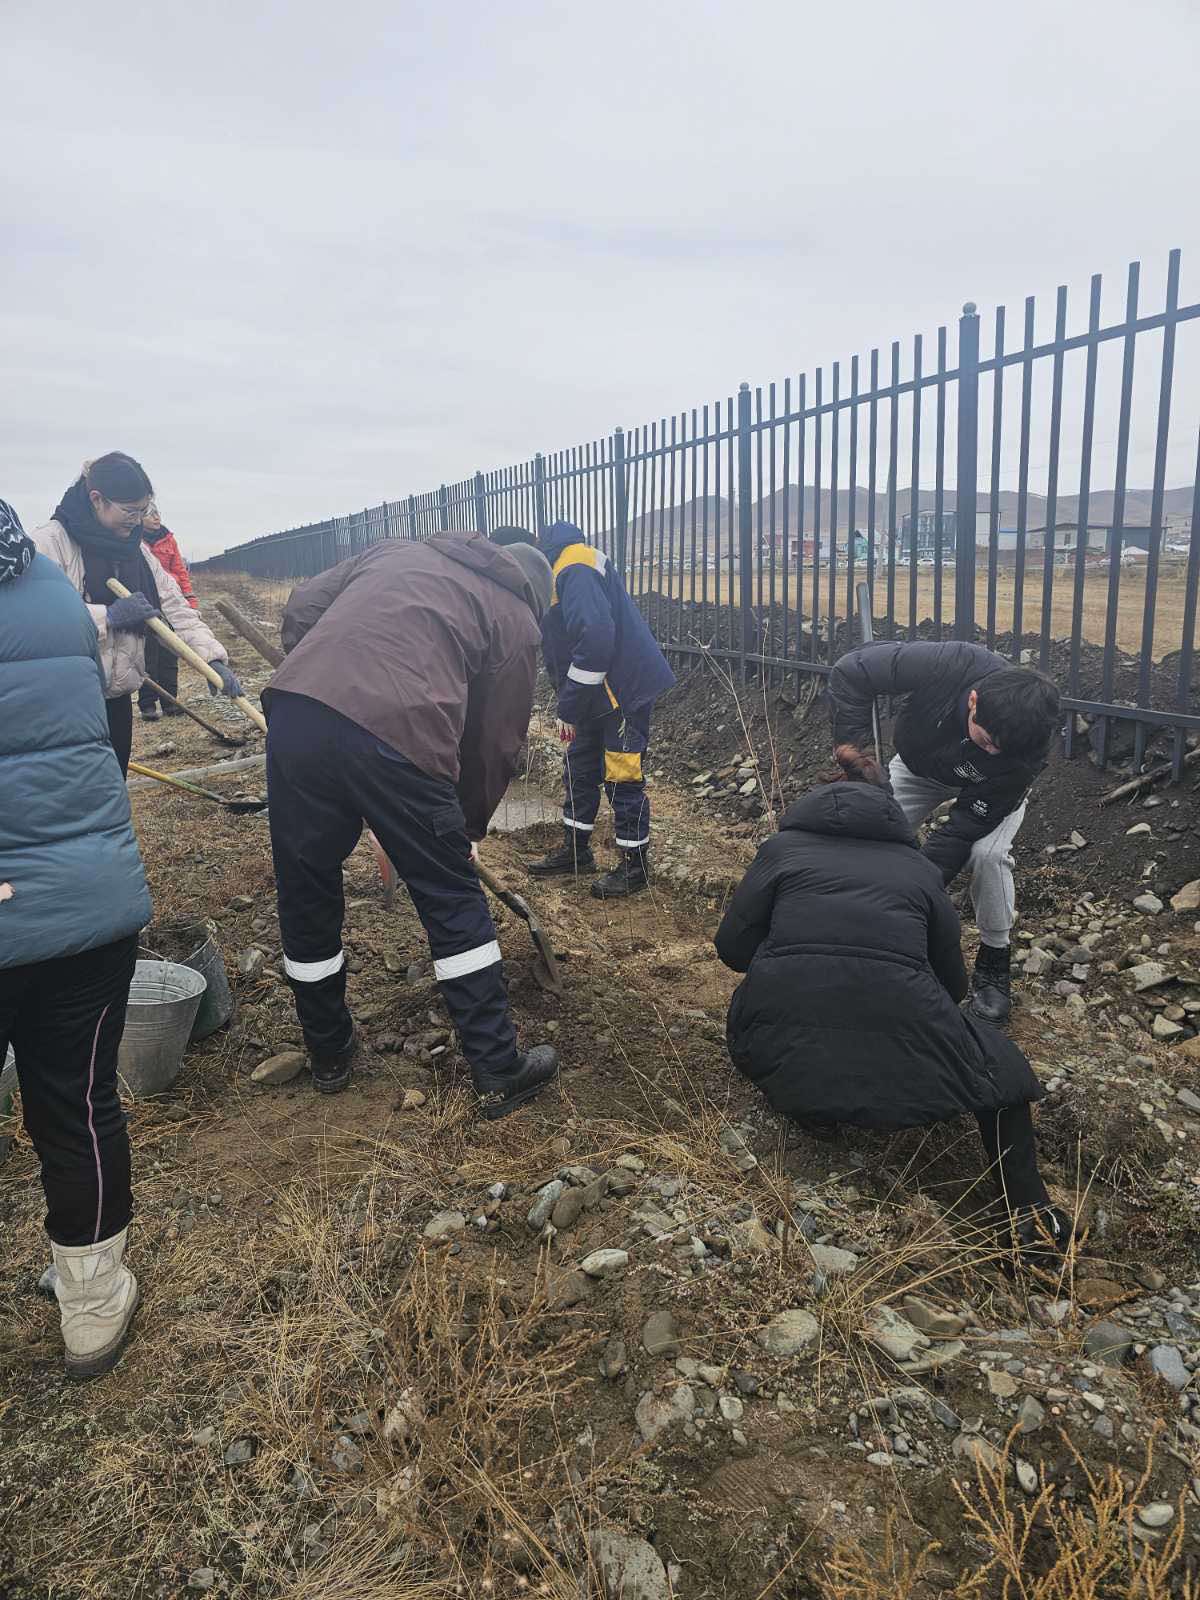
[{"x": 301, "y": 257}]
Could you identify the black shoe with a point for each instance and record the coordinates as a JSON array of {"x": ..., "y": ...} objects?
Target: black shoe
[
  {"x": 991, "y": 987},
  {"x": 172, "y": 711},
  {"x": 574, "y": 856},
  {"x": 501, "y": 1093},
  {"x": 629, "y": 876},
  {"x": 150, "y": 713},
  {"x": 1041, "y": 1236},
  {"x": 332, "y": 1070}
]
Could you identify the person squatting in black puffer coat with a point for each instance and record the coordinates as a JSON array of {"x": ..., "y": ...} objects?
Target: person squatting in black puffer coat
[{"x": 849, "y": 1012}]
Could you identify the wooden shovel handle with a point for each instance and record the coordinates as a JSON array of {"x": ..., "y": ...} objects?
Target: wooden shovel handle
[{"x": 184, "y": 651}]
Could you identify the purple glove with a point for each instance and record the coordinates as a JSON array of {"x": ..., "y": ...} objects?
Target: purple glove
[
  {"x": 229, "y": 683},
  {"x": 130, "y": 614}
]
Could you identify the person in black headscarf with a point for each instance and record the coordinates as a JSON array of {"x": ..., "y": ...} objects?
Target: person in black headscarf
[{"x": 94, "y": 535}]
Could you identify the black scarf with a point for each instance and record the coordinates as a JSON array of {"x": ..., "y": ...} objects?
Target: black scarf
[{"x": 105, "y": 555}]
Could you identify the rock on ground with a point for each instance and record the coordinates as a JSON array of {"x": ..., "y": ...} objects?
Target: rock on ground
[
  {"x": 281, "y": 1068},
  {"x": 789, "y": 1332},
  {"x": 629, "y": 1569}
]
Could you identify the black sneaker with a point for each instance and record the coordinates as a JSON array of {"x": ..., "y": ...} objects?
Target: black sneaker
[
  {"x": 629, "y": 876},
  {"x": 991, "y": 988},
  {"x": 574, "y": 855},
  {"x": 501, "y": 1093},
  {"x": 332, "y": 1071}
]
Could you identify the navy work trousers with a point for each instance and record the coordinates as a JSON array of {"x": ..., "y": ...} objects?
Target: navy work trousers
[
  {"x": 609, "y": 751},
  {"x": 325, "y": 774},
  {"x": 64, "y": 1019}
]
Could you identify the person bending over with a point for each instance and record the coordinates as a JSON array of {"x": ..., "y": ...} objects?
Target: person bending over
[
  {"x": 973, "y": 730},
  {"x": 849, "y": 1010},
  {"x": 609, "y": 671},
  {"x": 404, "y": 700}
]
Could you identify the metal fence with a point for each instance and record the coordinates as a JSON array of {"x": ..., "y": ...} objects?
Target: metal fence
[{"x": 743, "y": 525}]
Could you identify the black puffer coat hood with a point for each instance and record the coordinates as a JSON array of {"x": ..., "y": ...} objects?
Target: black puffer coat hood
[{"x": 849, "y": 1010}]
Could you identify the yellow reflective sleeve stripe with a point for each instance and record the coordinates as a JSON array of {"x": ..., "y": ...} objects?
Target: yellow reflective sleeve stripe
[
  {"x": 575, "y": 555},
  {"x": 622, "y": 766}
]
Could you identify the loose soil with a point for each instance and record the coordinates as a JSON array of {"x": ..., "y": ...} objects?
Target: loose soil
[{"x": 320, "y": 1400}]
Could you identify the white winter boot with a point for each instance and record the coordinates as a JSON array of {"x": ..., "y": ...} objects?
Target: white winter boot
[{"x": 97, "y": 1296}]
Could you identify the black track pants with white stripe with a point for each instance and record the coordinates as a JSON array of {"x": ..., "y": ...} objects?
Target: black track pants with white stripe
[{"x": 325, "y": 775}]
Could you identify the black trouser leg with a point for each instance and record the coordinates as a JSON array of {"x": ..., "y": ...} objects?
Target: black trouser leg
[
  {"x": 64, "y": 1020},
  {"x": 120, "y": 728},
  {"x": 163, "y": 666},
  {"x": 314, "y": 827},
  {"x": 419, "y": 822},
  {"x": 325, "y": 774},
  {"x": 1011, "y": 1150},
  {"x": 583, "y": 772}
]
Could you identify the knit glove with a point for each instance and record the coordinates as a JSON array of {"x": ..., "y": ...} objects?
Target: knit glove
[
  {"x": 229, "y": 683},
  {"x": 130, "y": 614}
]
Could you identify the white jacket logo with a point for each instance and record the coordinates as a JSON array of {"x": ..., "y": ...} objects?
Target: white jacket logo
[
  {"x": 968, "y": 773},
  {"x": 979, "y": 807}
]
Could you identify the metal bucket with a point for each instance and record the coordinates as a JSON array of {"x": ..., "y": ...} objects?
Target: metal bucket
[
  {"x": 194, "y": 944},
  {"x": 163, "y": 1001}
]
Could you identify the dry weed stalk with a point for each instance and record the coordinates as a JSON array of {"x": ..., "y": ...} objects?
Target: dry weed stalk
[
  {"x": 1050, "y": 1548},
  {"x": 853, "y": 1572}
]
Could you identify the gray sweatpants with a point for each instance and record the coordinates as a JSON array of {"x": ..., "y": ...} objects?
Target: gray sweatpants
[{"x": 991, "y": 862}]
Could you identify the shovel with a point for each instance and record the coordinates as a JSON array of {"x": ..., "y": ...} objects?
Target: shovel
[
  {"x": 545, "y": 967},
  {"x": 239, "y": 808}
]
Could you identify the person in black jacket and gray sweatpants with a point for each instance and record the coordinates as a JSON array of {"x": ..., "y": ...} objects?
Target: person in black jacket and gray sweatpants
[{"x": 972, "y": 729}]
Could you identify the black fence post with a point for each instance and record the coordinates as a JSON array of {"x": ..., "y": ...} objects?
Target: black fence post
[
  {"x": 412, "y": 516},
  {"x": 621, "y": 500},
  {"x": 967, "y": 481},
  {"x": 539, "y": 494},
  {"x": 745, "y": 526},
  {"x": 481, "y": 525},
  {"x": 444, "y": 508}
]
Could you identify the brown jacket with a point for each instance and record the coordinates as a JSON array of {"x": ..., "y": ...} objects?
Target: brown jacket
[{"x": 432, "y": 647}]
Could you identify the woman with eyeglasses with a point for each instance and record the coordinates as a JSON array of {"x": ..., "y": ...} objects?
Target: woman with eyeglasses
[{"x": 96, "y": 534}]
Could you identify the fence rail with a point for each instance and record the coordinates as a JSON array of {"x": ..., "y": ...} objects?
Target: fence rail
[{"x": 743, "y": 525}]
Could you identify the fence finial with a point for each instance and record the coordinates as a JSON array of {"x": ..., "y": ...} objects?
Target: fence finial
[
  {"x": 969, "y": 310},
  {"x": 743, "y": 388}
]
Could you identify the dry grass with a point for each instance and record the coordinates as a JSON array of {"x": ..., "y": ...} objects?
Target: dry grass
[
  {"x": 1038, "y": 1547},
  {"x": 1168, "y": 631}
]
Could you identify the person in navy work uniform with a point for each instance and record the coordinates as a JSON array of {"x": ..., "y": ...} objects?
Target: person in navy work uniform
[{"x": 609, "y": 672}]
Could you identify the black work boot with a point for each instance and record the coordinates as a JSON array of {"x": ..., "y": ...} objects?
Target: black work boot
[
  {"x": 629, "y": 876},
  {"x": 501, "y": 1093},
  {"x": 991, "y": 987},
  {"x": 333, "y": 1069},
  {"x": 574, "y": 856},
  {"x": 1041, "y": 1237},
  {"x": 150, "y": 713}
]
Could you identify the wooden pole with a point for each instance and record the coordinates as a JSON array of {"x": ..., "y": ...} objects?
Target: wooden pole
[
  {"x": 250, "y": 631},
  {"x": 184, "y": 651},
  {"x": 1146, "y": 779}
]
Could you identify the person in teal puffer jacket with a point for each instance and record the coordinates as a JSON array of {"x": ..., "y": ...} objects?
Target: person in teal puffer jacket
[{"x": 73, "y": 899}]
